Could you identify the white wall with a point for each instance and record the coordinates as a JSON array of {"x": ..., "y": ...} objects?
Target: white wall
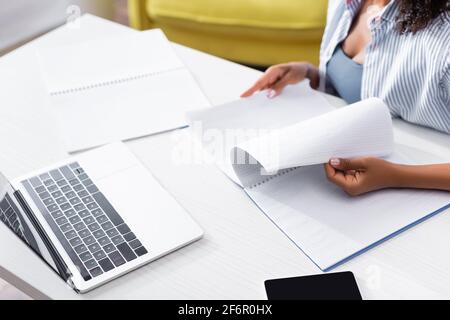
[{"x": 21, "y": 20}]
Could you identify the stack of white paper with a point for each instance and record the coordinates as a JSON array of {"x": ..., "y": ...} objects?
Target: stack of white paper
[{"x": 118, "y": 88}]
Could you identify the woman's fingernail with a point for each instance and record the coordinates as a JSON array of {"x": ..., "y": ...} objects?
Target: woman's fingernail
[
  {"x": 335, "y": 162},
  {"x": 271, "y": 94}
]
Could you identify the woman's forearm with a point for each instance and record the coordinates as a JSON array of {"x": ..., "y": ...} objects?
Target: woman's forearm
[
  {"x": 424, "y": 176},
  {"x": 313, "y": 75}
]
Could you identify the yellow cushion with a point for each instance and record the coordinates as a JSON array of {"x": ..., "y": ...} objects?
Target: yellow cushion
[
  {"x": 258, "y": 32},
  {"x": 267, "y": 14}
]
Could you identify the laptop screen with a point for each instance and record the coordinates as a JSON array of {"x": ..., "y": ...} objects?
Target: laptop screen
[{"x": 15, "y": 218}]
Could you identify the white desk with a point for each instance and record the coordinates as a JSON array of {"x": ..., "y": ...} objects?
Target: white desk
[{"x": 241, "y": 247}]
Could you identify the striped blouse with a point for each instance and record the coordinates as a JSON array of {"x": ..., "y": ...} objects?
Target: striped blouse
[{"x": 410, "y": 72}]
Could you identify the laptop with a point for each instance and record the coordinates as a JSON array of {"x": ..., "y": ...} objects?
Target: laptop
[{"x": 96, "y": 216}]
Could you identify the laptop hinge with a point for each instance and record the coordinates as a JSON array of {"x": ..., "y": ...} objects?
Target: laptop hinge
[{"x": 63, "y": 270}]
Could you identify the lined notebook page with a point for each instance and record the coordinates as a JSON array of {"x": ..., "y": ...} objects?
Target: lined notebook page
[
  {"x": 328, "y": 225},
  {"x": 107, "y": 61},
  {"x": 126, "y": 110},
  {"x": 230, "y": 124},
  {"x": 361, "y": 129}
]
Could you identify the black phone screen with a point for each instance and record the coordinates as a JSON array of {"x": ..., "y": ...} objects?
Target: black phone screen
[{"x": 329, "y": 286}]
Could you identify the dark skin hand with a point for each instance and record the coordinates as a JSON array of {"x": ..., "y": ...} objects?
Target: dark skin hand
[
  {"x": 277, "y": 77},
  {"x": 360, "y": 175}
]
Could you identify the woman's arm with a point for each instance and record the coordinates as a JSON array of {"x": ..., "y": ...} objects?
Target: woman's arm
[
  {"x": 361, "y": 175},
  {"x": 277, "y": 77},
  {"x": 434, "y": 176}
]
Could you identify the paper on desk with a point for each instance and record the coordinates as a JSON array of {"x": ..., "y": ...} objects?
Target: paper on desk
[
  {"x": 118, "y": 88},
  {"x": 361, "y": 129},
  {"x": 97, "y": 62},
  {"x": 221, "y": 128},
  {"x": 329, "y": 226},
  {"x": 297, "y": 128}
]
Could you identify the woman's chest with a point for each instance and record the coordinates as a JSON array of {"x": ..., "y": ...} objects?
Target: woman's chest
[{"x": 359, "y": 35}]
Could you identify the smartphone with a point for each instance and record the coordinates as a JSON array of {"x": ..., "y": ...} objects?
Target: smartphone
[{"x": 327, "y": 286}]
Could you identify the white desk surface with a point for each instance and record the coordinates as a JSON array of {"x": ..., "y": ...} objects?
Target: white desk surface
[{"x": 241, "y": 247}]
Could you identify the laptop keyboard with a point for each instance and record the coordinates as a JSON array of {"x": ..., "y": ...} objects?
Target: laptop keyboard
[
  {"x": 10, "y": 217},
  {"x": 91, "y": 231}
]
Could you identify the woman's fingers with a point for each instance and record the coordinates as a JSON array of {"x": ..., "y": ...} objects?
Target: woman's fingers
[
  {"x": 360, "y": 175},
  {"x": 349, "y": 181},
  {"x": 348, "y": 164},
  {"x": 278, "y": 87},
  {"x": 259, "y": 85},
  {"x": 275, "y": 87},
  {"x": 335, "y": 176},
  {"x": 267, "y": 81}
]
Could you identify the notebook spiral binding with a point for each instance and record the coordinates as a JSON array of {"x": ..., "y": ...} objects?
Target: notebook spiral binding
[
  {"x": 113, "y": 82},
  {"x": 279, "y": 174}
]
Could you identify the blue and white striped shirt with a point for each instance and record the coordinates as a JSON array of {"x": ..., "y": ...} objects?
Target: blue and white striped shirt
[{"x": 410, "y": 72}]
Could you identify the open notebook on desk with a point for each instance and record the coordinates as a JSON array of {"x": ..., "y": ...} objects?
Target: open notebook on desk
[
  {"x": 118, "y": 88},
  {"x": 276, "y": 155}
]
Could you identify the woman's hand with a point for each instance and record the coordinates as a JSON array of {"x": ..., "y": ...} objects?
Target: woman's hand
[
  {"x": 277, "y": 77},
  {"x": 361, "y": 175}
]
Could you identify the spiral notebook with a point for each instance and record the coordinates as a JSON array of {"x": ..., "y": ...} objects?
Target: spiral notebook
[
  {"x": 118, "y": 88},
  {"x": 275, "y": 150}
]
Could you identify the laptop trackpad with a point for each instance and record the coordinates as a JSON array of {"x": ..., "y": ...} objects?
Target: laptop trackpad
[
  {"x": 149, "y": 210},
  {"x": 106, "y": 161}
]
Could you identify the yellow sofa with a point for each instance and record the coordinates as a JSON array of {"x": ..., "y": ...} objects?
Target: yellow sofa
[{"x": 256, "y": 32}]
